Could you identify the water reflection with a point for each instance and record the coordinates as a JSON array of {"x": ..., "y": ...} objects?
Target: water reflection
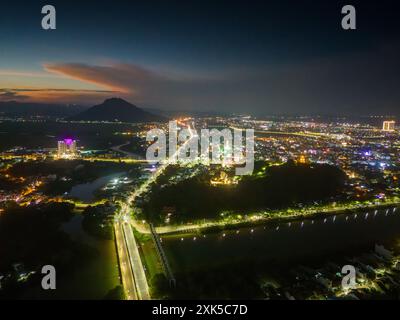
[{"x": 299, "y": 240}]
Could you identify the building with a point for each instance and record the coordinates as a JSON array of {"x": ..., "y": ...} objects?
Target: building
[
  {"x": 67, "y": 148},
  {"x": 224, "y": 179},
  {"x": 388, "y": 126},
  {"x": 302, "y": 159}
]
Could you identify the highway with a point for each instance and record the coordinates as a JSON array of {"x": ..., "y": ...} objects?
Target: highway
[
  {"x": 128, "y": 280},
  {"x": 143, "y": 188},
  {"x": 142, "y": 287},
  {"x": 132, "y": 270}
]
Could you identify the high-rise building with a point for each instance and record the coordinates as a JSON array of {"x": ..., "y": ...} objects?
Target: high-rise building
[
  {"x": 388, "y": 126},
  {"x": 67, "y": 148}
]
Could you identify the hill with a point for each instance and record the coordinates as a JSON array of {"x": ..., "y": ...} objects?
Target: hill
[{"x": 116, "y": 109}]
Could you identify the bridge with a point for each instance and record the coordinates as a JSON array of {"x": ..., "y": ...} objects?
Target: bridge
[
  {"x": 132, "y": 270},
  {"x": 128, "y": 280},
  {"x": 162, "y": 256}
]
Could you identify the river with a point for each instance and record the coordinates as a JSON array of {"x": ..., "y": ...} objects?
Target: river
[
  {"x": 286, "y": 243},
  {"x": 85, "y": 191}
]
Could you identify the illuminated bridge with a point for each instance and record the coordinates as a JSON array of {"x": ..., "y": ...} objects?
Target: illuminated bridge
[{"x": 163, "y": 257}]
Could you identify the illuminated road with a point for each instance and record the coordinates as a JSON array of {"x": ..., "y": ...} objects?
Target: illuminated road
[
  {"x": 128, "y": 154},
  {"x": 142, "y": 287},
  {"x": 254, "y": 219},
  {"x": 126, "y": 271},
  {"x": 160, "y": 169},
  {"x": 91, "y": 159},
  {"x": 129, "y": 243},
  {"x": 117, "y": 160}
]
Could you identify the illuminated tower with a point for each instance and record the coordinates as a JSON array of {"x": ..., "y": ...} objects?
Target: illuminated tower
[
  {"x": 62, "y": 148},
  {"x": 71, "y": 145},
  {"x": 67, "y": 148}
]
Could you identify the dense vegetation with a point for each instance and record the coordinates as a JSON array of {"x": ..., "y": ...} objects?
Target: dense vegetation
[
  {"x": 137, "y": 146},
  {"x": 98, "y": 221},
  {"x": 279, "y": 187},
  {"x": 33, "y": 237},
  {"x": 115, "y": 294},
  {"x": 240, "y": 280}
]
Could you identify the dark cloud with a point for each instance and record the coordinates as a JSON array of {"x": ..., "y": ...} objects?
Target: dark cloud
[
  {"x": 258, "y": 57},
  {"x": 18, "y": 90},
  {"x": 358, "y": 82},
  {"x": 54, "y": 95},
  {"x": 7, "y": 95}
]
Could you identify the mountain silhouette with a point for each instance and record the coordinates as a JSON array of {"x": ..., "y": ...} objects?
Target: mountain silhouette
[{"x": 118, "y": 110}]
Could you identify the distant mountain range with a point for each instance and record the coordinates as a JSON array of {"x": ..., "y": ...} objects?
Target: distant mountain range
[
  {"x": 187, "y": 113},
  {"x": 16, "y": 109},
  {"x": 113, "y": 109},
  {"x": 116, "y": 109}
]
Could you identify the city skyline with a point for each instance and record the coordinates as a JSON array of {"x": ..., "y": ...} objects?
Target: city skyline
[{"x": 193, "y": 151}]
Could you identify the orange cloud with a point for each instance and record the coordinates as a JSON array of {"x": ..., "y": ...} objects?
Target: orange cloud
[
  {"x": 49, "y": 95},
  {"x": 115, "y": 78}
]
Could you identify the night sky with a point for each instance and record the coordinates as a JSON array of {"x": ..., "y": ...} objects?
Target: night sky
[{"x": 270, "y": 57}]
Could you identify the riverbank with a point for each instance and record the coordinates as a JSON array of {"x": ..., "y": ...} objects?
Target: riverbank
[
  {"x": 264, "y": 218},
  {"x": 212, "y": 263},
  {"x": 86, "y": 192}
]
